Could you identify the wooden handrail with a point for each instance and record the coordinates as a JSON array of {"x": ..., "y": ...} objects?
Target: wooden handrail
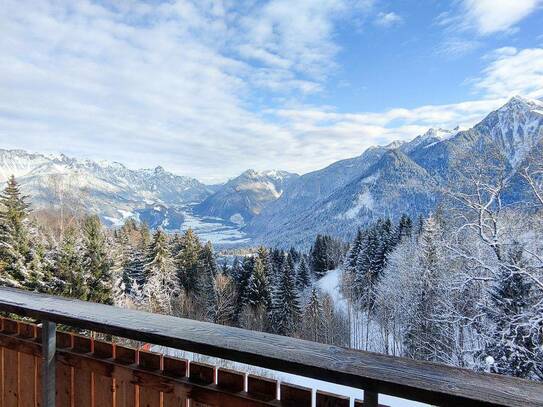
[{"x": 406, "y": 378}]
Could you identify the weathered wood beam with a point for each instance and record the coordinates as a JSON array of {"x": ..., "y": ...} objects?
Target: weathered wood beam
[{"x": 401, "y": 377}]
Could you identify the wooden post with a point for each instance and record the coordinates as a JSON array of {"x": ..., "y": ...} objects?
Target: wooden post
[
  {"x": 370, "y": 398},
  {"x": 48, "y": 369}
]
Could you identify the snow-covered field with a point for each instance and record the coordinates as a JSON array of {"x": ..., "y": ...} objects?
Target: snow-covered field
[{"x": 217, "y": 230}]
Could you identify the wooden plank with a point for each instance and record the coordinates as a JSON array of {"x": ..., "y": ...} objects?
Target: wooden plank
[
  {"x": 325, "y": 399},
  {"x": 11, "y": 368},
  {"x": 174, "y": 368},
  {"x": 180, "y": 386},
  {"x": 261, "y": 387},
  {"x": 28, "y": 369},
  {"x": 64, "y": 393},
  {"x": 295, "y": 396},
  {"x": 149, "y": 396},
  {"x": 204, "y": 374},
  {"x": 201, "y": 373},
  {"x": 230, "y": 380},
  {"x": 370, "y": 398},
  {"x": 83, "y": 378},
  {"x": 401, "y": 377},
  {"x": 104, "y": 385},
  {"x": 125, "y": 390}
]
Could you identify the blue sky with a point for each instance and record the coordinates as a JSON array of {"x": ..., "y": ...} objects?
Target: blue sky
[{"x": 210, "y": 88}]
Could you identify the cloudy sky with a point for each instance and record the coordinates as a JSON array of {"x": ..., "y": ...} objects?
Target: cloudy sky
[{"x": 210, "y": 88}]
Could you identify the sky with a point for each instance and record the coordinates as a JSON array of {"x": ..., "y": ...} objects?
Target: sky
[{"x": 210, "y": 88}]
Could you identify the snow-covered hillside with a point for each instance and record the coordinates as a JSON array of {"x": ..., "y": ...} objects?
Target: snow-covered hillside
[
  {"x": 402, "y": 177},
  {"x": 245, "y": 196}
]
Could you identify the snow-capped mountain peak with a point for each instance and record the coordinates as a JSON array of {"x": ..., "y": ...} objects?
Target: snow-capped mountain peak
[{"x": 515, "y": 127}]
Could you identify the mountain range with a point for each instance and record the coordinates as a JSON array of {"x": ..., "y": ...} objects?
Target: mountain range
[{"x": 281, "y": 208}]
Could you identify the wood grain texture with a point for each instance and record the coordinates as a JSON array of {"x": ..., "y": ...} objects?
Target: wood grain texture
[
  {"x": 28, "y": 369},
  {"x": 149, "y": 396},
  {"x": 401, "y": 377},
  {"x": 11, "y": 367},
  {"x": 175, "y": 388}
]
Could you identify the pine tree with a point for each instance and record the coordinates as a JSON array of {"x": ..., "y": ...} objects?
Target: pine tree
[
  {"x": 187, "y": 262},
  {"x": 319, "y": 257},
  {"x": 38, "y": 279},
  {"x": 97, "y": 262},
  {"x": 14, "y": 237},
  {"x": 303, "y": 278},
  {"x": 512, "y": 345},
  {"x": 354, "y": 251},
  {"x": 405, "y": 228},
  {"x": 70, "y": 277},
  {"x": 286, "y": 309},
  {"x": 162, "y": 285},
  {"x": 207, "y": 263},
  {"x": 257, "y": 293},
  {"x": 428, "y": 334},
  {"x": 313, "y": 318},
  {"x": 243, "y": 284},
  {"x": 325, "y": 255}
]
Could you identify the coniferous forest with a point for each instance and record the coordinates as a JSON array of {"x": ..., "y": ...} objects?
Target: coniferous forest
[{"x": 461, "y": 286}]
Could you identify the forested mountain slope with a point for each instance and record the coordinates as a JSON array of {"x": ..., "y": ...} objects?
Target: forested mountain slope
[{"x": 406, "y": 178}]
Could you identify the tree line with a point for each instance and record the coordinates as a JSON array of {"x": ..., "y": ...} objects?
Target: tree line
[
  {"x": 131, "y": 266},
  {"x": 461, "y": 286}
]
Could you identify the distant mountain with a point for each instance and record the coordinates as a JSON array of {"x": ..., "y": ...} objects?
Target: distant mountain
[
  {"x": 278, "y": 208},
  {"x": 110, "y": 190},
  {"x": 244, "y": 197},
  {"x": 402, "y": 177}
]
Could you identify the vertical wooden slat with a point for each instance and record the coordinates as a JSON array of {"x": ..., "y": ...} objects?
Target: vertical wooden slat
[
  {"x": 370, "y": 398},
  {"x": 200, "y": 373},
  {"x": 11, "y": 368},
  {"x": 295, "y": 396},
  {"x": 28, "y": 369},
  {"x": 230, "y": 380},
  {"x": 1, "y": 366},
  {"x": 82, "y": 377},
  {"x": 262, "y": 388},
  {"x": 325, "y": 399},
  {"x": 64, "y": 373},
  {"x": 149, "y": 397},
  {"x": 104, "y": 386},
  {"x": 175, "y": 368},
  {"x": 125, "y": 390}
]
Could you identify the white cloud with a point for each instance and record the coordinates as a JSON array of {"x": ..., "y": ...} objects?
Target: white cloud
[
  {"x": 513, "y": 72},
  {"x": 491, "y": 16},
  {"x": 388, "y": 19},
  {"x": 456, "y": 47},
  {"x": 171, "y": 84},
  {"x": 488, "y": 16},
  {"x": 181, "y": 84}
]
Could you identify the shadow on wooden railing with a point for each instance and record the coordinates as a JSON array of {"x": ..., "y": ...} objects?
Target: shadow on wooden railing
[{"x": 102, "y": 369}]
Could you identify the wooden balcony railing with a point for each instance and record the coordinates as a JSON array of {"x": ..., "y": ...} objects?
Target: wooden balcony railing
[{"x": 35, "y": 361}]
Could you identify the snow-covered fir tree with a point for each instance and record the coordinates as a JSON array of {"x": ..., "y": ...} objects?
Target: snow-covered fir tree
[
  {"x": 162, "y": 286},
  {"x": 96, "y": 262},
  {"x": 512, "y": 348},
  {"x": 286, "y": 310},
  {"x": 14, "y": 236}
]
